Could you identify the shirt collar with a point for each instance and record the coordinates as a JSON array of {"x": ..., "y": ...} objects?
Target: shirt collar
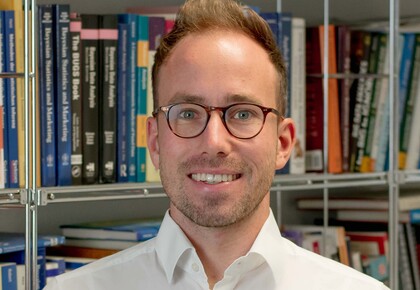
[
  {"x": 267, "y": 245},
  {"x": 171, "y": 243}
]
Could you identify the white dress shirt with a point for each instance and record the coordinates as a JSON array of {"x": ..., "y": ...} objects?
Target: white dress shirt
[{"x": 169, "y": 261}]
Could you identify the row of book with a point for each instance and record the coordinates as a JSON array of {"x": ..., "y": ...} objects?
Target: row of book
[
  {"x": 367, "y": 214},
  {"x": 94, "y": 97}
]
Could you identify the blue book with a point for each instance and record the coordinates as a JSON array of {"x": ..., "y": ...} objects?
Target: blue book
[
  {"x": 284, "y": 41},
  {"x": 128, "y": 230},
  {"x": 3, "y": 128},
  {"x": 47, "y": 96},
  {"x": 10, "y": 103},
  {"x": 122, "y": 166},
  {"x": 272, "y": 19},
  {"x": 142, "y": 33},
  {"x": 54, "y": 266},
  {"x": 8, "y": 276},
  {"x": 61, "y": 26},
  {"x": 131, "y": 61}
]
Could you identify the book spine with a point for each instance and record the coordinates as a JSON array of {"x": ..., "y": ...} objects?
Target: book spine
[
  {"x": 156, "y": 33},
  {"x": 131, "y": 97},
  {"x": 8, "y": 276},
  {"x": 284, "y": 43},
  {"x": 314, "y": 103},
  {"x": 343, "y": 66},
  {"x": 298, "y": 97},
  {"x": 122, "y": 173},
  {"x": 108, "y": 45},
  {"x": 76, "y": 99},
  {"x": 369, "y": 104},
  {"x": 334, "y": 134},
  {"x": 90, "y": 107},
  {"x": 2, "y": 115},
  {"x": 11, "y": 100},
  {"x": 406, "y": 121},
  {"x": 61, "y": 14},
  {"x": 377, "y": 101},
  {"x": 360, "y": 59},
  {"x": 47, "y": 98},
  {"x": 142, "y": 32}
]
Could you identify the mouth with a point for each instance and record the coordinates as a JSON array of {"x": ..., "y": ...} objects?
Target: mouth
[{"x": 214, "y": 178}]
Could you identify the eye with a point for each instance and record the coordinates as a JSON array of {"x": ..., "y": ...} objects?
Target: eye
[
  {"x": 242, "y": 115},
  {"x": 187, "y": 114}
]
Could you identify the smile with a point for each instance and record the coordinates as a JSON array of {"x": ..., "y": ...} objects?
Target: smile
[{"x": 214, "y": 178}]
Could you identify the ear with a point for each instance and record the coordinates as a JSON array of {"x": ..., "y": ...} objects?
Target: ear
[
  {"x": 152, "y": 140},
  {"x": 286, "y": 141}
]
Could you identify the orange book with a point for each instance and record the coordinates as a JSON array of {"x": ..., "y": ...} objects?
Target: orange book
[{"x": 335, "y": 163}]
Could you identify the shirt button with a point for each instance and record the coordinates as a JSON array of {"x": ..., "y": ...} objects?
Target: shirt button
[{"x": 195, "y": 267}]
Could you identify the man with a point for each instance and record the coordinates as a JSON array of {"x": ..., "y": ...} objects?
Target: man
[{"x": 217, "y": 135}]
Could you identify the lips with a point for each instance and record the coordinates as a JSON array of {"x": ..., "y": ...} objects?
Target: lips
[{"x": 214, "y": 178}]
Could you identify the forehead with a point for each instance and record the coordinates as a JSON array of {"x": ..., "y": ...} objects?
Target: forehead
[{"x": 218, "y": 66}]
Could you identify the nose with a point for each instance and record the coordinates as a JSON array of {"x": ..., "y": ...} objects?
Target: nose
[{"x": 216, "y": 140}]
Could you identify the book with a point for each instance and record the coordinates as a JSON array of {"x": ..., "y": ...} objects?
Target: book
[
  {"x": 405, "y": 273},
  {"x": 108, "y": 44},
  {"x": 343, "y": 66},
  {"x": 380, "y": 131},
  {"x": 16, "y": 7},
  {"x": 122, "y": 165},
  {"x": 367, "y": 101},
  {"x": 8, "y": 276},
  {"x": 405, "y": 69},
  {"x": 314, "y": 103},
  {"x": 298, "y": 95},
  {"x": 10, "y": 102},
  {"x": 334, "y": 134},
  {"x": 3, "y": 170},
  {"x": 129, "y": 230},
  {"x": 72, "y": 263},
  {"x": 360, "y": 47},
  {"x": 61, "y": 28},
  {"x": 131, "y": 60},
  {"x": 376, "y": 202},
  {"x": 336, "y": 246},
  {"x": 412, "y": 253},
  {"x": 376, "y": 66},
  {"x": 156, "y": 33},
  {"x": 46, "y": 96},
  {"x": 376, "y": 267},
  {"x": 76, "y": 99},
  {"x": 100, "y": 243},
  {"x": 369, "y": 243},
  {"x": 90, "y": 107},
  {"x": 407, "y": 113},
  {"x": 82, "y": 252},
  {"x": 14, "y": 242},
  {"x": 142, "y": 38}
]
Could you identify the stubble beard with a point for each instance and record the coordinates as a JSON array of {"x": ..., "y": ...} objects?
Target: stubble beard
[{"x": 217, "y": 211}]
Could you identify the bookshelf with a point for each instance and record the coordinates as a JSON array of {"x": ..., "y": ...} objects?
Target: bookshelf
[{"x": 95, "y": 201}]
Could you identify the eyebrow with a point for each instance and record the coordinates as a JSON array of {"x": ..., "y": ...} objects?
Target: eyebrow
[{"x": 229, "y": 98}]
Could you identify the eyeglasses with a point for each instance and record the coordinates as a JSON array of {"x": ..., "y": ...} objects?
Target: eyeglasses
[{"x": 189, "y": 120}]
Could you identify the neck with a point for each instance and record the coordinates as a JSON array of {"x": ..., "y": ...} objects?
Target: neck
[{"x": 218, "y": 248}]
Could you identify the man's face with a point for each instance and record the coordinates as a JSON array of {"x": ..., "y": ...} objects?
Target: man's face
[{"x": 216, "y": 179}]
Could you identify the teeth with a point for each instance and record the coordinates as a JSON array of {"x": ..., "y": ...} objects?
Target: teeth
[{"x": 213, "y": 178}]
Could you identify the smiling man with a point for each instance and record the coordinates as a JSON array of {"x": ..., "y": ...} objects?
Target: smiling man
[{"x": 217, "y": 135}]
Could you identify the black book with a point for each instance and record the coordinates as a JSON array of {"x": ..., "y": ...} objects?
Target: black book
[
  {"x": 108, "y": 59},
  {"x": 76, "y": 99},
  {"x": 90, "y": 86}
]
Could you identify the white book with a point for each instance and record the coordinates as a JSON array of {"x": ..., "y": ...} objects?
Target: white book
[{"x": 298, "y": 94}]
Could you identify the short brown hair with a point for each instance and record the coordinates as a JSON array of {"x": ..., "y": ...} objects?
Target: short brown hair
[{"x": 204, "y": 15}]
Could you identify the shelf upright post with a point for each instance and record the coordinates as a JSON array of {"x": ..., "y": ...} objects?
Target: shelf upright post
[
  {"x": 29, "y": 246},
  {"x": 325, "y": 81},
  {"x": 393, "y": 184}
]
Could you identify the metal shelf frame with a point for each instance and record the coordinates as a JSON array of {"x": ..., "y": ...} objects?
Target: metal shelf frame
[{"x": 31, "y": 197}]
